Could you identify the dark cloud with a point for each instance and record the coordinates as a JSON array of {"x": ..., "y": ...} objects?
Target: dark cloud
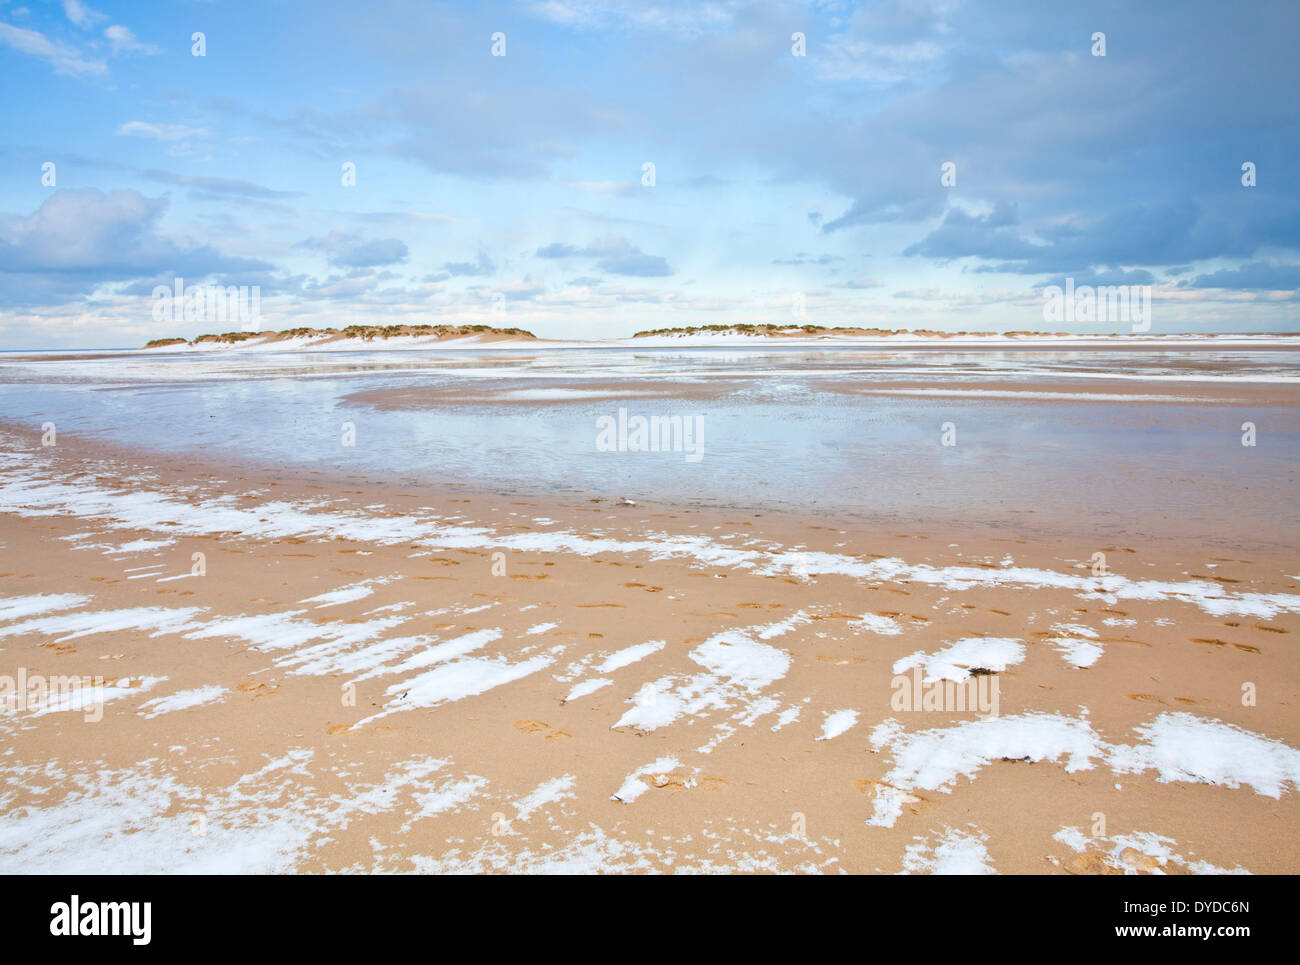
[
  {"x": 1253, "y": 276},
  {"x": 803, "y": 258},
  {"x": 78, "y": 240},
  {"x": 207, "y": 188},
  {"x": 346, "y": 250},
  {"x": 1137, "y": 235},
  {"x": 614, "y": 256},
  {"x": 635, "y": 264},
  {"x": 558, "y": 250},
  {"x": 483, "y": 266}
]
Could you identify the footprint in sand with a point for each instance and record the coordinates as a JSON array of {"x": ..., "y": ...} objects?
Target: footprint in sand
[
  {"x": 1090, "y": 864},
  {"x": 913, "y": 802},
  {"x": 1213, "y": 642},
  {"x": 554, "y": 734},
  {"x": 334, "y": 730},
  {"x": 256, "y": 690},
  {"x": 683, "y": 782},
  {"x": 1130, "y": 861}
]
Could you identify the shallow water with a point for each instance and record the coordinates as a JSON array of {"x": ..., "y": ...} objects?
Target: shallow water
[{"x": 779, "y": 431}]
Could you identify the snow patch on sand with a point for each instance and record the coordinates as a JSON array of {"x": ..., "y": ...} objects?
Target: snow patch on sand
[
  {"x": 19, "y": 607},
  {"x": 548, "y": 792},
  {"x": 958, "y": 660},
  {"x": 1183, "y": 747},
  {"x": 1138, "y": 851},
  {"x": 346, "y": 594},
  {"x": 630, "y": 655},
  {"x": 934, "y": 759},
  {"x": 633, "y": 786},
  {"x": 587, "y": 687},
  {"x": 955, "y": 853},
  {"x": 449, "y": 682},
  {"x": 70, "y": 626},
  {"x": 183, "y": 700},
  {"x": 837, "y": 723}
]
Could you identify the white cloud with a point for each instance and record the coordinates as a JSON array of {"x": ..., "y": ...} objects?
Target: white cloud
[
  {"x": 620, "y": 188},
  {"x": 80, "y": 14},
  {"x": 64, "y": 60},
  {"x": 125, "y": 42},
  {"x": 161, "y": 132},
  {"x": 878, "y": 64},
  {"x": 678, "y": 16}
]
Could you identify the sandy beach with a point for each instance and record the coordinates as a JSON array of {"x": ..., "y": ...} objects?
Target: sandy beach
[{"x": 304, "y": 668}]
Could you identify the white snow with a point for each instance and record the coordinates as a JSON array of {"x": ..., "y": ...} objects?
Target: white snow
[
  {"x": 956, "y": 853},
  {"x": 183, "y": 700},
  {"x": 957, "y": 660},
  {"x": 587, "y": 687},
  {"x": 1184, "y": 747},
  {"x": 837, "y": 723},
  {"x": 548, "y": 792},
  {"x": 630, "y": 655},
  {"x": 633, "y": 787}
]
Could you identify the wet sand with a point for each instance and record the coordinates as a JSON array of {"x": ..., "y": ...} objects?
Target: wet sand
[{"x": 1040, "y": 388}]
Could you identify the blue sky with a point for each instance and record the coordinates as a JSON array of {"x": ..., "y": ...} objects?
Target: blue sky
[{"x": 509, "y": 190}]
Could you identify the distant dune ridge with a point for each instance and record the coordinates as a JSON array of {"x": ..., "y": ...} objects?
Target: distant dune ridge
[
  {"x": 366, "y": 333},
  {"x": 417, "y": 335},
  {"x": 796, "y": 331}
]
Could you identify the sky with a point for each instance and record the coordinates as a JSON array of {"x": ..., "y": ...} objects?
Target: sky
[{"x": 588, "y": 169}]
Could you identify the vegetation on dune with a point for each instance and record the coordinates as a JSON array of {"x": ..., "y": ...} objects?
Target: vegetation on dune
[
  {"x": 366, "y": 333},
  {"x": 229, "y": 338}
]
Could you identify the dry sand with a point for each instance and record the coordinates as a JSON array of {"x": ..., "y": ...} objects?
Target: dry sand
[{"x": 759, "y": 629}]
